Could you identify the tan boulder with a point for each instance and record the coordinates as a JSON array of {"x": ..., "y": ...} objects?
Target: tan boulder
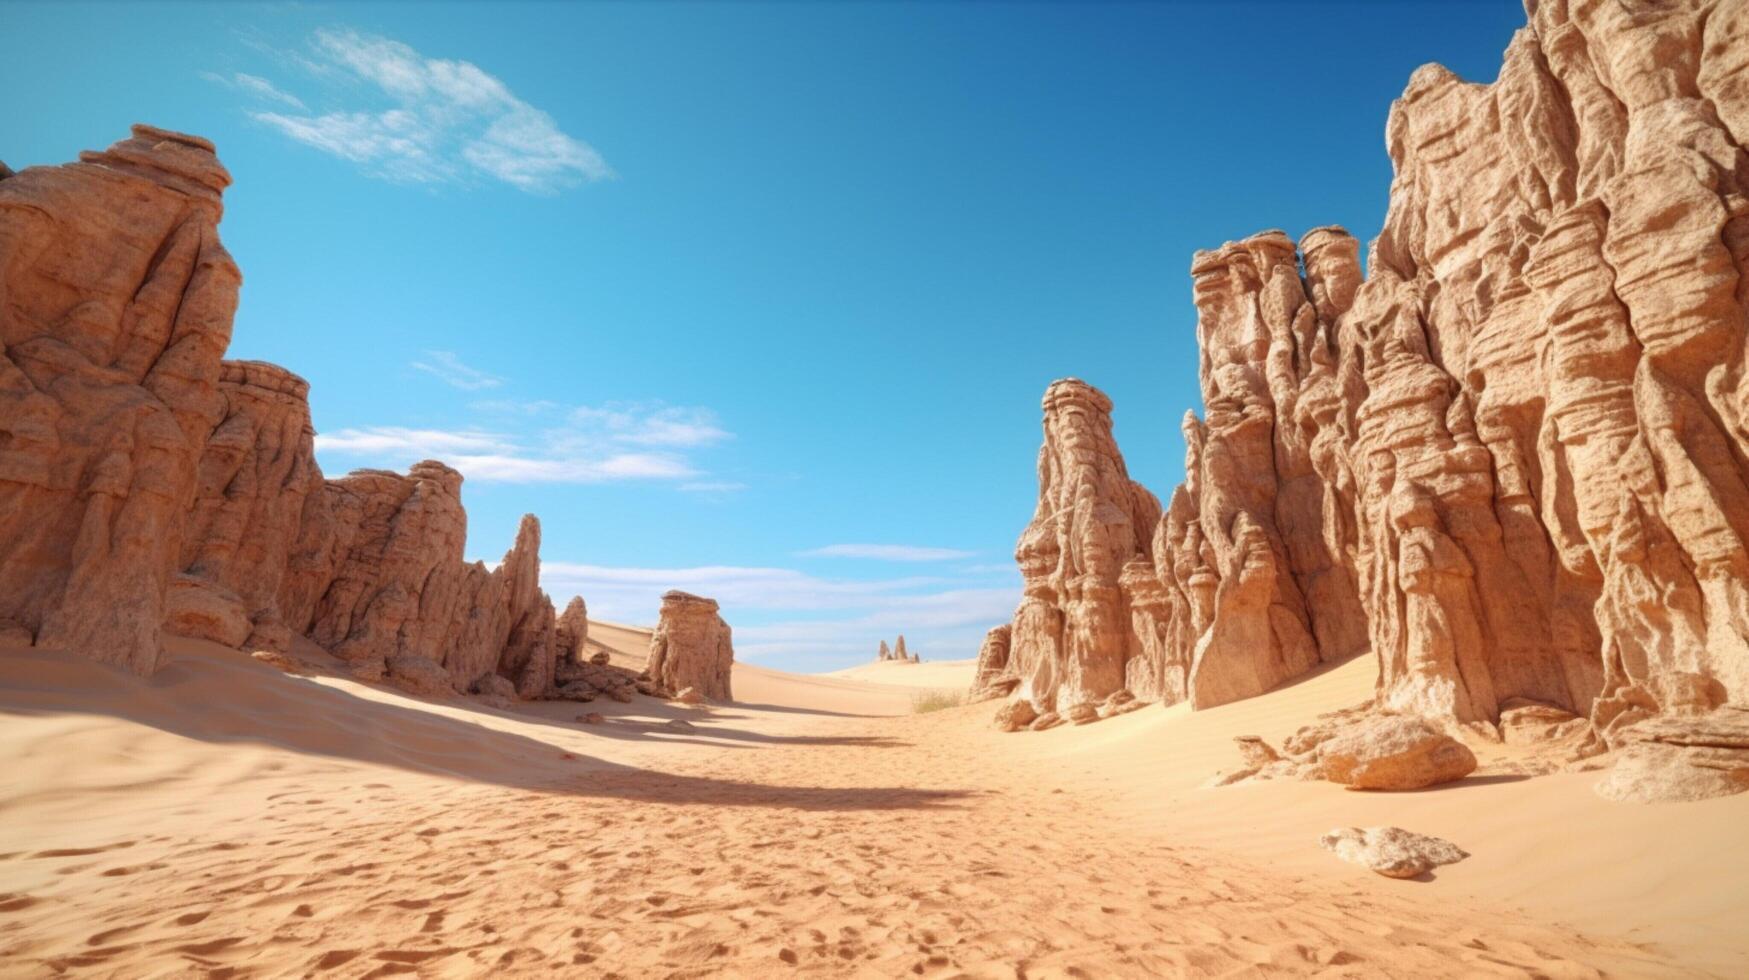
[
  {"x": 1393, "y": 752},
  {"x": 689, "y": 695},
  {"x": 419, "y": 675},
  {"x": 691, "y": 647},
  {"x": 1391, "y": 851},
  {"x": 1015, "y": 715}
]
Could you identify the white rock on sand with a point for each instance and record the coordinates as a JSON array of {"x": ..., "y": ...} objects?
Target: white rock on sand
[{"x": 1391, "y": 851}]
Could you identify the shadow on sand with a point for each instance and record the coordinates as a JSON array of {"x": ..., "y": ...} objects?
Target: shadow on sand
[{"x": 222, "y": 697}]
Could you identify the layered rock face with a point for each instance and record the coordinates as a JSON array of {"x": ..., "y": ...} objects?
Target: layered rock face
[
  {"x": 256, "y": 481},
  {"x": 1512, "y": 459},
  {"x": 147, "y": 484},
  {"x": 691, "y": 648},
  {"x": 118, "y": 298}
]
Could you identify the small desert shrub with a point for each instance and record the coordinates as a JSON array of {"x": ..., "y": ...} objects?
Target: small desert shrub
[{"x": 922, "y": 704}]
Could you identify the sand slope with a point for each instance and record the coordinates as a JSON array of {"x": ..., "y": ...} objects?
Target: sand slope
[{"x": 222, "y": 816}]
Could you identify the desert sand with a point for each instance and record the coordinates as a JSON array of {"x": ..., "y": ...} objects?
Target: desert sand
[{"x": 225, "y": 817}]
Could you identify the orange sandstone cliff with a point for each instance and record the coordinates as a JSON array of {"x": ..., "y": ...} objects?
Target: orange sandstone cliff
[
  {"x": 1511, "y": 460},
  {"x": 147, "y": 484}
]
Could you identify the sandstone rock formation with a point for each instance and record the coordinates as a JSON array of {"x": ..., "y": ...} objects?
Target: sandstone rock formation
[
  {"x": 1071, "y": 636},
  {"x": 896, "y": 653},
  {"x": 253, "y": 498},
  {"x": 1392, "y": 851},
  {"x": 1512, "y": 459},
  {"x": 691, "y": 648},
  {"x": 992, "y": 678},
  {"x": 572, "y": 632},
  {"x": 145, "y": 484},
  {"x": 117, "y": 308}
]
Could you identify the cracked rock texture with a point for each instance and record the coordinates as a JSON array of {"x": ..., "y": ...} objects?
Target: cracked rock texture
[
  {"x": 1511, "y": 459},
  {"x": 145, "y": 483}
]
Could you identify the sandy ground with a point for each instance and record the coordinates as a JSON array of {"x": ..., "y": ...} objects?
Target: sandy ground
[{"x": 225, "y": 819}]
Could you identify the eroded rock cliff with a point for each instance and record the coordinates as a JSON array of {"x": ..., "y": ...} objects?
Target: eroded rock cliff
[
  {"x": 147, "y": 484},
  {"x": 118, "y": 298},
  {"x": 1512, "y": 459}
]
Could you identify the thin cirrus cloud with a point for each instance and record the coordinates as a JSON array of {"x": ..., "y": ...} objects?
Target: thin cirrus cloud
[
  {"x": 586, "y": 445},
  {"x": 256, "y": 86},
  {"x": 416, "y": 119},
  {"x": 448, "y": 368},
  {"x": 887, "y": 552}
]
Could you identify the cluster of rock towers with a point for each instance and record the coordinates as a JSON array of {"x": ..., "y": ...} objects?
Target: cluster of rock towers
[
  {"x": 148, "y": 485},
  {"x": 1511, "y": 460}
]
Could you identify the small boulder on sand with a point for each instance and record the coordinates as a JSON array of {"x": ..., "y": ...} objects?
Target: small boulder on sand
[
  {"x": 417, "y": 675},
  {"x": 600, "y": 658},
  {"x": 1015, "y": 715},
  {"x": 1394, "y": 752},
  {"x": 1049, "y": 719},
  {"x": 592, "y": 718},
  {"x": 495, "y": 686},
  {"x": 1391, "y": 851},
  {"x": 273, "y": 658}
]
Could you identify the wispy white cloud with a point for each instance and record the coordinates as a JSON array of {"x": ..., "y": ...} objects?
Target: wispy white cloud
[
  {"x": 651, "y": 424},
  {"x": 591, "y": 445},
  {"x": 887, "y": 552},
  {"x": 435, "y": 120},
  {"x": 449, "y": 369},
  {"x": 256, "y": 86},
  {"x": 395, "y": 441}
]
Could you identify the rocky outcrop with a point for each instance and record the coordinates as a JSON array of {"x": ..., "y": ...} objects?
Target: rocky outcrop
[
  {"x": 147, "y": 485},
  {"x": 1391, "y": 851},
  {"x": 992, "y": 678},
  {"x": 691, "y": 648},
  {"x": 1512, "y": 459},
  {"x": 1071, "y": 636},
  {"x": 389, "y": 580},
  {"x": 572, "y": 633},
  {"x": 897, "y": 653},
  {"x": 118, "y": 298},
  {"x": 255, "y": 481}
]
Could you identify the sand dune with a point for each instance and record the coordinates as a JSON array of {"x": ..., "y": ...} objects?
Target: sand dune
[{"x": 223, "y": 816}]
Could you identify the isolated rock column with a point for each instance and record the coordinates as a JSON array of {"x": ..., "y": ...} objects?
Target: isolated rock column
[{"x": 691, "y": 648}]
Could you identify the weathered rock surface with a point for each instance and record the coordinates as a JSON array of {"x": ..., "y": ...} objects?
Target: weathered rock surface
[
  {"x": 1512, "y": 458},
  {"x": 146, "y": 484},
  {"x": 197, "y": 608},
  {"x": 992, "y": 678},
  {"x": 118, "y": 298},
  {"x": 257, "y": 481},
  {"x": 1393, "y": 752},
  {"x": 1391, "y": 851},
  {"x": 691, "y": 647},
  {"x": 571, "y": 632},
  {"x": 1071, "y": 636}
]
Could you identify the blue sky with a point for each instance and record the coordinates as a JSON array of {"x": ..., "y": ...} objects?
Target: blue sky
[{"x": 756, "y": 300}]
